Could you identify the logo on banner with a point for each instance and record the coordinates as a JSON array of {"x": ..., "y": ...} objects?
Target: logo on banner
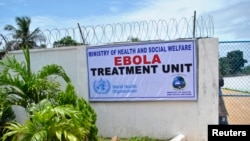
[
  {"x": 101, "y": 86},
  {"x": 179, "y": 82}
]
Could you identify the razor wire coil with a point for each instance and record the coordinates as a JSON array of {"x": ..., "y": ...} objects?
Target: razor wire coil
[{"x": 121, "y": 32}]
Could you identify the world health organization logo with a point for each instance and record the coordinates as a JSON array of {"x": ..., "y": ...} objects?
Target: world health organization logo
[
  {"x": 179, "y": 82},
  {"x": 101, "y": 86}
]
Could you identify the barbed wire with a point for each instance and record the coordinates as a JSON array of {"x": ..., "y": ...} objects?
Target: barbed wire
[{"x": 123, "y": 32}]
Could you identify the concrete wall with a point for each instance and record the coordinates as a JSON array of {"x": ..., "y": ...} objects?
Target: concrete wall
[{"x": 159, "y": 119}]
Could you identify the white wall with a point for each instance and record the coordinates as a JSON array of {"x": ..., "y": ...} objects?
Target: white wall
[
  {"x": 240, "y": 83},
  {"x": 159, "y": 119}
]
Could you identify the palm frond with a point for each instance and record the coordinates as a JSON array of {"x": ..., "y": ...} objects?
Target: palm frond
[
  {"x": 69, "y": 96},
  {"x": 26, "y": 54},
  {"x": 11, "y": 65},
  {"x": 70, "y": 137},
  {"x": 53, "y": 69},
  {"x": 6, "y": 112},
  {"x": 43, "y": 104},
  {"x": 10, "y": 28},
  {"x": 23, "y": 24},
  {"x": 36, "y": 35},
  {"x": 39, "y": 136},
  {"x": 61, "y": 122},
  {"x": 14, "y": 128},
  {"x": 18, "y": 79},
  {"x": 13, "y": 86}
]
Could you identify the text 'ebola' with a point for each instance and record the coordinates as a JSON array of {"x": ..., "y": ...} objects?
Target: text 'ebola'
[{"x": 129, "y": 65}]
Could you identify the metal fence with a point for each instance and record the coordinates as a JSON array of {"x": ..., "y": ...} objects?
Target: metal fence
[{"x": 235, "y": 69}]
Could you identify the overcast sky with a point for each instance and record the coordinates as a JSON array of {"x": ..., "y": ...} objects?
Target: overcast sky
[{"x": 231, "y": 17}]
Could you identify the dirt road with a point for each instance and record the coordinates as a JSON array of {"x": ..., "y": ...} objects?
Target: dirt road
[{"x": 238, "y": 108}]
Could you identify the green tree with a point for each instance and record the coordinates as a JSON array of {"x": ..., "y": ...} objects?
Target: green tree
[
  {"x": 236, "y": 61},
  {"x": 23, "y": 86},
  {"x": 65, "y": 41},
  {"x": 70, "y": 118},
  {"x": 133, "y": 39},
  {"x": 246, "y": 70},
  {"x": 232, "y": 64},
  {"x": 49, "y": 123},
  {"x": 224, "y": 67},
  {"x": 22, "y": 35},
  {"x": 88, "y": 116},
  {"x": 6, "y": 113},
  {"x": 55, "y": 115}
]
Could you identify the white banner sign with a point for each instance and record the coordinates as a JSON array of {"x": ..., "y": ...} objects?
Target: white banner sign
[{"x": 148, "y": 71}]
